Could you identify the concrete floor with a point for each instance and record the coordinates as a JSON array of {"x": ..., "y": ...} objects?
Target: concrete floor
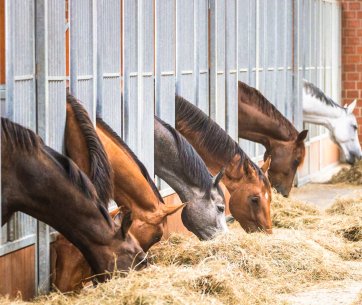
[{"x": 322, "y": 194}]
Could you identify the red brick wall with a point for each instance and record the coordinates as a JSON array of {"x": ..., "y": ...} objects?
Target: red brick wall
[{"x": 352, "y": 56}]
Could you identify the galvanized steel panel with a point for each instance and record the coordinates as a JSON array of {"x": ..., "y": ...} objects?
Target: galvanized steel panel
[
  {"x": 138, "y": 76},
  {"x": 165, "y": 60},
  {"x": 231, "y": 68},
  {"x": 83, "y": 37},
  {"x": 20, "y": 102},
  {"x": 201, "y": 68},
  {"x": 185, "y": 50},
  {"x": 109, "y": 100}
]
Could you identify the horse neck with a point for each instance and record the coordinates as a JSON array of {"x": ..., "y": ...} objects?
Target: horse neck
[
  {"x": 131, "y": 189},
  {"x": 168, "y": 165},
  {"x": 256, "y": 126},
  {"x": 85, "y": 227},
  {"x": 75, "y": 142},
  {"x": 318, "y": 112},
  {"x": 214, "y": 163}
]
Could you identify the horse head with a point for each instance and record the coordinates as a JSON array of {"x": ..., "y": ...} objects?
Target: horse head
[
  {"x": 251, "y": 198},
  {"x": 204, "y": 215},
  {"x": 345, "y": 133},
  {"x": 287, "y": 157}
]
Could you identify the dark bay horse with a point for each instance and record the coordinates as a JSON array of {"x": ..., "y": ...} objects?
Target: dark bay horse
[
  {"x": 177, "y": 162},
  {"x": 248, "y": 186},
  {"x": 38, "y": 181},
  {"x": 259, "y": 121},
  {"x": 133, "y": 187}
]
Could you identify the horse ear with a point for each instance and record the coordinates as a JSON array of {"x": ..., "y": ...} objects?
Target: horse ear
[
  {"x": 169, "y": 209},
  {"x": 350, "y": 107},
  {"x": 126, "y": 224},
  {"x": 218, "y": 177},
  {"x": 266, "y": 165},
  {"x": 302, "y": 135}
]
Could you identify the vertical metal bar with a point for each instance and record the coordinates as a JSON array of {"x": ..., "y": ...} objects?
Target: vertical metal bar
[
  {"x": 50, "y": 60},
  {"x": 165, "y": 79},
  {"x": 231, "y": 68},
  {"x": 146, "y": 70},
  {"x": 201, "y": 67}
]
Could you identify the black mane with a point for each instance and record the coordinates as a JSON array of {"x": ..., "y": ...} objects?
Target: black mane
[
  {"x": 213, "y": 137},
  {"x": 255, "y": 98},
  {"x": 100, "y": 168},
  {"x": 314, "y": 91},
  {"x": 140, "y": 165},
  {"x": 193, "y": 166}
]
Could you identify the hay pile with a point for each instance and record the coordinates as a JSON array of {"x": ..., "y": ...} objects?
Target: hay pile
[
  {"x": 308, "y": 247},
  {"x": 351, "y": 175}
]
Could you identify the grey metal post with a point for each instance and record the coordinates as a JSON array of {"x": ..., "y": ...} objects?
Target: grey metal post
[{"x": 51, "y": 81}]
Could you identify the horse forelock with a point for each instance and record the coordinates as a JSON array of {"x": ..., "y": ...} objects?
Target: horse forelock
[
  {"x": 192, "y": 164},
  {"x": 255, "y": 98},
  {"x": 140, "y": 165},
  {"x": 100, "y": 168},
  {"x": 317, "y": 93},
  {"x": 213, "y": 138}
]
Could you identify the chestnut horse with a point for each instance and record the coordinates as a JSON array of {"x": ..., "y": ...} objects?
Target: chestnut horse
[
  {"x": 38, "y": 181},
  {"x": 133, "y": 187},
  {"x": 248, "y": 186},
  {"x": 259, "y": 121},
  {"x": 177, "y": 162}
]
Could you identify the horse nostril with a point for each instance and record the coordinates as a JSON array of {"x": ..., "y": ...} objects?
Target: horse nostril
[{"x": 221, "y": 208}]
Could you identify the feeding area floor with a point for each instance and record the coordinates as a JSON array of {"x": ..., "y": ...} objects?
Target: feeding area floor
[{"x": 314, "y": 256}]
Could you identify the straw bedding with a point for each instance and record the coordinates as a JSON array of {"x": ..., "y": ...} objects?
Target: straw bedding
[
  {"x": 308, "y": 247},
  {"x": 352, "y": 175}
]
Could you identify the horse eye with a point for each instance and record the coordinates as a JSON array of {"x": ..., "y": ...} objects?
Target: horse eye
[
  {"x": 296, "y": 163},
  {"x": 355, "y": 127},
  {"x": 221, "y": 208},
  {"x": 255, "y": 200}
]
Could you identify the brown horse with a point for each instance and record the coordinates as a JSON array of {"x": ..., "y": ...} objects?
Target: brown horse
[
  {"x": 133, "y": 187},
  {"x": 38, "y": 181},
  {"x": 248, "y": 186},
  {"x": 261, "y": 122}
]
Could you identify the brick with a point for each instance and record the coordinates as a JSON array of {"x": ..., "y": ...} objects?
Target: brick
[
  {"x": 359, "y": 68},
  {"x": 353, "y": 76},
  {"x": 359, "y": 32},
  {"x": 349, "y": 67},
  {"x": 349, "y": 15},
  {"x": 359, "y": 86},
  {"x": 359, "y": 15},
  {"x": 351, "y": 59},
  {"x": 353, "y": 23},
  {"x": 358, "y": 50},
  {"x": 350, "y": 32},
  {"x": 354, "y": 6},
  {"x": 352, "y": 40},
  {"x": 350, "y": 50},
  {"x": 349, "y": 85},
  {"x": 352, "y": 93}
]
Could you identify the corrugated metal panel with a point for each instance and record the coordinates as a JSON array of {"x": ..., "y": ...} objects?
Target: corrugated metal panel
[
  {"x": 165, "y": 80},
  {"x": 138, "y": 77},
  {"x": 147, "y": 101},
  {"x": 109, "y": 101},
  {"x": 201, "y": 17},
  {"x": 20, "y": 92},
  {"x": 83, "y": 38},
  {"x": 165, "y": 60},
  {"x": 231, "y": 68},
  {"x": 217, "y": 61},
  {"x": 51, "y": 96},
  {"x": 185, "y": 50}
]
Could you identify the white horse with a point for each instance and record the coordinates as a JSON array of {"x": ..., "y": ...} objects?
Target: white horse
[{"x": 342, "y": 124}]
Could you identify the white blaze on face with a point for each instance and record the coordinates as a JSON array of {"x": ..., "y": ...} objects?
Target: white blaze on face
[{"x": 266, "y": 195}]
